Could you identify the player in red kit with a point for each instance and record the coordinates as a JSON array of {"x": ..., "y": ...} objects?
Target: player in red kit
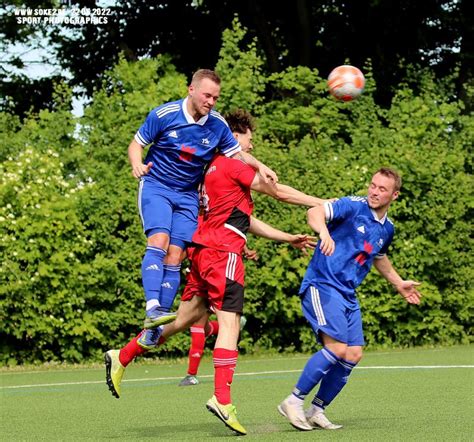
[
  {"x": 217, "y": 270},
  {"x": 241, "y": 124}
]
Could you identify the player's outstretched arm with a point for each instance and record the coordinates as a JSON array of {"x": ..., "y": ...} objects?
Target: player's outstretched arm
[
  {"x": 299, "y": 241},
  {"x": 266, "y": 173},
  {"x": 290, "y": 195},
  {"x": 135, "y": 152},
  {"x": 317, "y": 221},
  {"x": 406, "y": 288},
  {"x": 284, "y": 193}
]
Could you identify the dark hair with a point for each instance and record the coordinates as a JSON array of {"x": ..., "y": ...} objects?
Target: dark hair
[
  {"x": 239, "y": 121},
  {"x": 391, "y": 173},
  {"x": 205, "y": 73}
]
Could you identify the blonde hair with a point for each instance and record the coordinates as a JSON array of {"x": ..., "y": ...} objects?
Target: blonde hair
[{"x": 205, "y": 73}]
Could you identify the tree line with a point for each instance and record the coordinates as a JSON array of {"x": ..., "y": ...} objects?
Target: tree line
[
  {"x": 71, "y": 238},
  {"x": 319, "y": 34}
]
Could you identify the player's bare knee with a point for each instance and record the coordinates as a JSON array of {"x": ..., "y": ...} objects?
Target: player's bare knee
[
  {"x": 354, "y": 354},
  {"x": 172, "y": 261},
  {"x": 337, "y": 347},
  {"x": 159, "y": 240},
  {"x": 174, "y": 256},
  {"x": 340, "y": 350}
]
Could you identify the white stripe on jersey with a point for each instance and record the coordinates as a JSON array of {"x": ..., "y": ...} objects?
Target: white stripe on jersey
[
  {"x": 167, "y": 109},
  {"x": 140, "y": 190},
  {"x": 168, "y": 112},
  {"x": 219, "y": 116},
  {"x": 328, "y": 211},
  {"x": 140, "y": 140},
  {"x": 232, "y": 150},
  {"x": 231, "y": 264},
  {"x": 236, "y": 230},
  {"x": 358, "y": 199},
  {"x": 317, "y": 307}
]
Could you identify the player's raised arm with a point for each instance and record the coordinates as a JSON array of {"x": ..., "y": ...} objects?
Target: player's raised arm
[
  {"x": 406, "y": 288},
  {"x": 317, "y": 221},
  {"x": 284, "y": 193},
  {"x": 288, "y": 194}
]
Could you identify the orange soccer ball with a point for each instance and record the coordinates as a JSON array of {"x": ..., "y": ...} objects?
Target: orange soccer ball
[{"x": 346, "y": 82}]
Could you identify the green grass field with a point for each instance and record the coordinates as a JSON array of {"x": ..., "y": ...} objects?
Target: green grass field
[{"x": 415, "y": 394}]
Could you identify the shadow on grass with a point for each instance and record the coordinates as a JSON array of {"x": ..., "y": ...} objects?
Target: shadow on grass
[
  {"x": 217, "y": 430},
  {"x": 185, "y": 431}
]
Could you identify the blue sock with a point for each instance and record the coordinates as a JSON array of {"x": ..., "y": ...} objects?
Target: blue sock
[
  {"x": 333, "y": 383},
  {"x": 170, "y": 286},
  {"x": 316, "y": 367},
  {"x": 152, "y": 274}
]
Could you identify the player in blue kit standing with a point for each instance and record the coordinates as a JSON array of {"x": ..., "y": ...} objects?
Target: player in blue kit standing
[
  {"x": 184, "y": 136},
  {"x": 354, "y": 234}
]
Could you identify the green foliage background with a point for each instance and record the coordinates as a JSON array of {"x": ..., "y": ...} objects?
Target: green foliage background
[{"x": 71, "y": 240}]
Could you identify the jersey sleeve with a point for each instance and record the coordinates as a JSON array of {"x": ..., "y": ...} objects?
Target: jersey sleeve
[
  {"x": 241, "y": 173},
  {"x": 340, "y": 209},
  {"x": 228, "y": 145},
  {"x": 150, "y": 129}
]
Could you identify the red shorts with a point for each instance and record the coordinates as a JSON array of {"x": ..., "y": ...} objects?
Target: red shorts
[{"x": 217, "y": 276}]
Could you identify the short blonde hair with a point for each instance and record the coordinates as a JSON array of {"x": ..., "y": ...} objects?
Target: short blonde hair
[{"x": 205, "y": 73}]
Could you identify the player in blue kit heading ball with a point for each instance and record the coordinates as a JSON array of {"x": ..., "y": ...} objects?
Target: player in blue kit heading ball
[
  {"x": 183, "y": 137},
  {"x": 354, "y": 234}
]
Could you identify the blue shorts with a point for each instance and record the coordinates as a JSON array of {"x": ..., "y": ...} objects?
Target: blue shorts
[
  {"x": 164, "y": 210},
  {"x": 327, "y": 311}
]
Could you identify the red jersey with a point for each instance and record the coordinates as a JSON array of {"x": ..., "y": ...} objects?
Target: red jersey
[{"x": 227, "y": 205}]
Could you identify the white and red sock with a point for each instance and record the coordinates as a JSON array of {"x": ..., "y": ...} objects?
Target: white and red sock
[
  {"x": 198, "y": 339},
  {"x": 225, "y": 362}
]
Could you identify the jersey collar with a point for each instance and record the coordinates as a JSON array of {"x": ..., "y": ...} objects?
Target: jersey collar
[
  {"x": 381, "y": 220},
  {"x": 189, "y": 118}
]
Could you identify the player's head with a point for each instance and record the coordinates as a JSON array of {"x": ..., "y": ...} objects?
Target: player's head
[
  {"x": 242, "y": 125},
  {"x": 203, "y": 92},
  {"x": 384, "y": 188}
]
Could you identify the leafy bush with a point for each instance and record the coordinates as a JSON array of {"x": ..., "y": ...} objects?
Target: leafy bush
[{"x": 71, "y": 237}]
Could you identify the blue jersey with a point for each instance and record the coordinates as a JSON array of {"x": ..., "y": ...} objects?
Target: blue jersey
[
  {"x": 182, "y": 147},
  {"x": 360, "y": 237}
]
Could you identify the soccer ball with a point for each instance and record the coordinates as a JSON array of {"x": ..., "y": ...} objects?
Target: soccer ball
[{"x": 346, "y": 82}]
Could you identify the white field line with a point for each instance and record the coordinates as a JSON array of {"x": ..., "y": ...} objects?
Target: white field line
[
  {"x": 256, "y": 373},
  {"x": 185, "y": 361}
]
